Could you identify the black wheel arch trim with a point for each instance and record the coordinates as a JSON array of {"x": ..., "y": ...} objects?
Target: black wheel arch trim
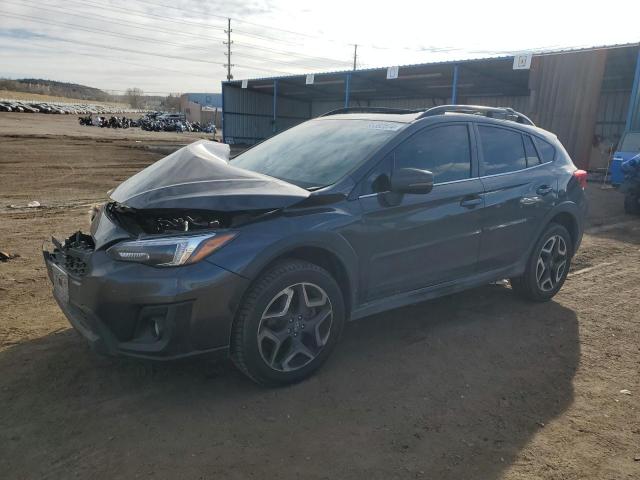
[
  {"x": 331, "y": 242},
  {"x": 566, "y": 207}
]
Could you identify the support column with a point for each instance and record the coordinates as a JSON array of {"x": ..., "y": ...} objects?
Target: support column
[
  {"x": 454, "y": 86},
  {"x": 633, "y": 114},
  {"x": 347, "y": 88},
  {"x": 222, "y": 117},
  {"x": 275, "y": 105}
]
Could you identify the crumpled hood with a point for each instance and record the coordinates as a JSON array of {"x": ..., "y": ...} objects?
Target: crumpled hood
[{"x": 200, "y": 177}]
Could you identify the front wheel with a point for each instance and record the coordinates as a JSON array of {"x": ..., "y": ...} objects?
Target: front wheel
[
  {"x": 547, "y": 267},
  {"x": 288, "y": 323}
]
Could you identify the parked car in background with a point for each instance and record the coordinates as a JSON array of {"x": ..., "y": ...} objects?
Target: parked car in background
[
  {"x": 172, "y": 117},
  {"x": 265, "y": 257}
]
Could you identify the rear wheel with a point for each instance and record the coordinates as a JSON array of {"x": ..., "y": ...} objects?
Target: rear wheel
[
  {"x": 290, "y": 320},
  {"x": 547, "y": 267}
]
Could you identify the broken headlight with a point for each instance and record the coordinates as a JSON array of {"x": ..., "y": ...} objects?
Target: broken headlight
[{"x": 169, "y": 251}]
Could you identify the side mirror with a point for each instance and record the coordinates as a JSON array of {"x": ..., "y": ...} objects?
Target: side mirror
[{"x": 411, "y": 180}]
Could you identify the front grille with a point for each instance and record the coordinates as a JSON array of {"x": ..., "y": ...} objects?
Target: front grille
[
  {"x": 74, "y": 254},
  {"x": 75, "y": 266}
]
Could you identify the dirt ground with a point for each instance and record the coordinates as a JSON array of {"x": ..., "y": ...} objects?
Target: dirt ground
[{"x": 479, "y": 385}]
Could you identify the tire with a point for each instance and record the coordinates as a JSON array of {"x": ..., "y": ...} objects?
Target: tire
[
  {"x": 288, "y": 323},
  {"x": 540, "y": 283},
  {"x": 632, "y": 204}
]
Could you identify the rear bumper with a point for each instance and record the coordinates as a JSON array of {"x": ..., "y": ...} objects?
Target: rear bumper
[{"x": 135, "y": 310}]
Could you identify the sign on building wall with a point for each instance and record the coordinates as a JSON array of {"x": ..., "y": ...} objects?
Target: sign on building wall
[
  {"x": 392, "y": 72},
  {"x": 522, "y": 61},
  {"x": 310, "y": 79},
  {"x": 245, "y": 83}
]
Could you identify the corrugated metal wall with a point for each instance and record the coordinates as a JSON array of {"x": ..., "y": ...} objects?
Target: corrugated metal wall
[
  {"x": 519, "y": 103},
  {"x": 563, "y": 92},
  {"x": 612, "y": 115},
  {"x": 318, "y": 108},
  {"x": 248, "y": 115}
]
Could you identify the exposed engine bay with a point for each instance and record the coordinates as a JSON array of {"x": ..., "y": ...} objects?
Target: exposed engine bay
[
  {"x": 169, "y": 221},
  {"x": 193, "y": 189}
]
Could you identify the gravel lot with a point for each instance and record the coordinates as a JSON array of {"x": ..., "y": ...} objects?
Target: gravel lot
[{"x": 478, "y": 385}]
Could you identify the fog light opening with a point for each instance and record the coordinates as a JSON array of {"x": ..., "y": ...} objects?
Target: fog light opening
[{"x": 157, "y": 329}]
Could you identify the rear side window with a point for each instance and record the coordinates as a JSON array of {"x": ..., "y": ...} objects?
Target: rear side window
[
  {"x": 502, "y": 150},
  {"x": 546, "y": 150},
  {"x": 532, "y": 154},
  {"x": 444, "y": 151}
]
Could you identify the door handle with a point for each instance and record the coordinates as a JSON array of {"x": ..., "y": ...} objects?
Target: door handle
[
  {"x": 544, "y": 189},
  {"x": 470, "y": 202}
]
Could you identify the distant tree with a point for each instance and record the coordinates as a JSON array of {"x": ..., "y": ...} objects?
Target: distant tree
[
  {"x": 171, "y": 102},
  {"x": 51, "y": 87},
  {"x": 134, "y": 97}
]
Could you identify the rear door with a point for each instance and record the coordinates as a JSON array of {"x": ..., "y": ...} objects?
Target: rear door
[
  {"x": 413, "y": 241},
  {"x": 519, "y": 189}
]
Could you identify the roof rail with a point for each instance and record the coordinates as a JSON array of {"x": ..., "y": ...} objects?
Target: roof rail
[
  {"x": 370, "y": 110},
  {"x": 502, "y": 113}
]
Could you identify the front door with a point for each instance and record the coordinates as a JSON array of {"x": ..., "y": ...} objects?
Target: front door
[{"x": 413, "y": 241}]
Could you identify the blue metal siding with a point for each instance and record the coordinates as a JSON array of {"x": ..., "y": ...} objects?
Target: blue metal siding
[{"x": 206, "y": 99}]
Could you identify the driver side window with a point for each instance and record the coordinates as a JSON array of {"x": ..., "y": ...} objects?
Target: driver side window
[{"x": 445, "y": 151}]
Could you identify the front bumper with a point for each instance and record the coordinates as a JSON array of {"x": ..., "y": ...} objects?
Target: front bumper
[{"x": 131, "y": 309}]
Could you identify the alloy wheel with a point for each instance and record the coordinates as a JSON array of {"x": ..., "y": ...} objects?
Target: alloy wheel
[
  {"x": 295, "y": 327},
  {"x": 552, "y": 263}
]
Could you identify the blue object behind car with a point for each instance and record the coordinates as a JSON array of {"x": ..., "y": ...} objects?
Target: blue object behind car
[{"x": 629, "y": 148}]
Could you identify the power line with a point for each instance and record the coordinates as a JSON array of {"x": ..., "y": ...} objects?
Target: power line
[
  {"x": 301, "y": 34},
  {"x": 200, "y": 13},
  {"x": 119, "y": 60},
  {"x": 99, "y": 30},
  {"x": 139, "y": 13},
  {"x": 355, "y": 55},
  {"x": 173, "y": 57},
  {"x": 114, "y": 34},
  {"x": 249, "y": 45},
  {"x": 156, "y": 41},
  {"x": 228, "y": 54},
  {"x": 143, "y": 26}
]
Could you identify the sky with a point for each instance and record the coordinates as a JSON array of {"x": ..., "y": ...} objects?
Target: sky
[{"x": 164, "y": 46}]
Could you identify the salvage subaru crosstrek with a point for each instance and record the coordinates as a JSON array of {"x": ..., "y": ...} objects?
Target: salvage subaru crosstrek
[{"x": 265, "y": 256}]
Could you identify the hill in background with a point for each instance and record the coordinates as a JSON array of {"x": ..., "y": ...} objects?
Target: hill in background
[{"x": 54, "y": 89}]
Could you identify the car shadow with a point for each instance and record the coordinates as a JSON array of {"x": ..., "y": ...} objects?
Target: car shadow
[{"x": 452, "y": 388}]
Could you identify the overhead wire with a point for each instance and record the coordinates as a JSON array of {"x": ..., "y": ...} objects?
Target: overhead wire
[
  {"x": 68, "y": 11},
  {"x": 173, "y": 57},
  {"x": 304, "y": 64},
  {"x": 126, "y": 36}
]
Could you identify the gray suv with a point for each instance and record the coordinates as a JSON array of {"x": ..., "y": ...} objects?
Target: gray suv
[{"x": 265, "y": 256}]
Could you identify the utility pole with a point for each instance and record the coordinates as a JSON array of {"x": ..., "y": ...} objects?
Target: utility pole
[
  {"x": 228, "y": 54},
  {"x": 355, "y": 55}
]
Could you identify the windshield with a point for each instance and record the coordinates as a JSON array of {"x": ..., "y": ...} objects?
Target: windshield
[
  {"x": 318, "y": 152},
  {"x": 630, "y": 142}
]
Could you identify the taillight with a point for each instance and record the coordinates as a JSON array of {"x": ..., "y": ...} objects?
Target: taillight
[{"x": 581, "y": 176}]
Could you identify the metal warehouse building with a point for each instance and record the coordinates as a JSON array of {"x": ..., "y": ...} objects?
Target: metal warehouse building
[{"x": 588, "y": 97}]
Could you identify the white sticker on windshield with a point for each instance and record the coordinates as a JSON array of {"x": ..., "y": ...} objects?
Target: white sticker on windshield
[{"x": 385, "y": 125}]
